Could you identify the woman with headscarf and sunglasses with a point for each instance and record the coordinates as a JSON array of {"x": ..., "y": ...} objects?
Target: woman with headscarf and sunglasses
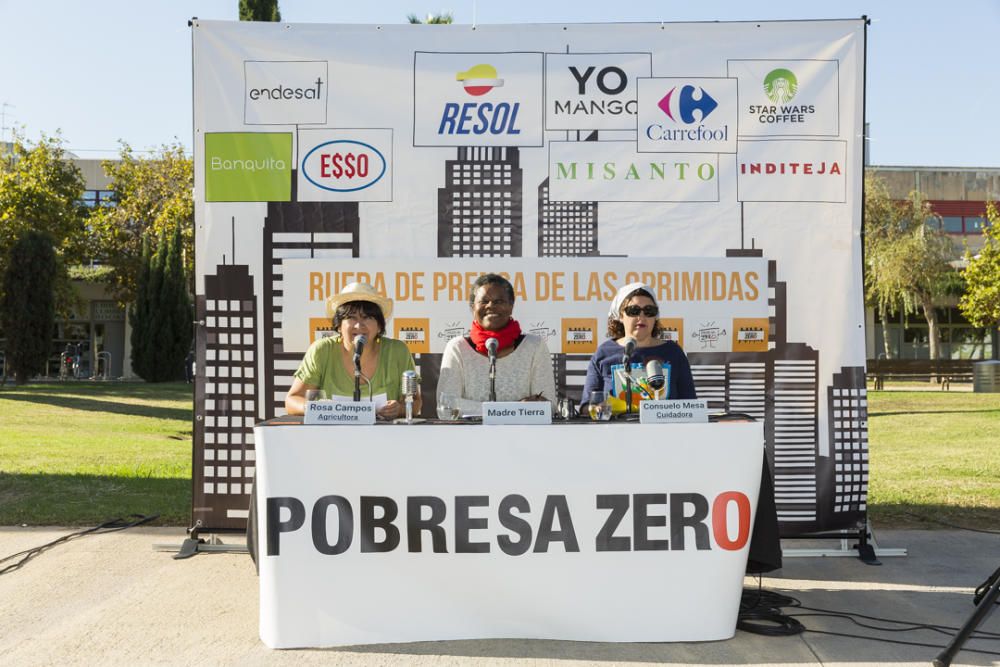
[
  {"x": 634, "y": 314},
  {"x": 524, "y": 367}
]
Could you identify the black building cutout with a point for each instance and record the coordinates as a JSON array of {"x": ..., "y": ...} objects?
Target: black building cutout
[
  {"x": 479, "y": 208},
  {"x": 297, "y": 230},
  {"x": 224, "y": 455},
  {"x": 848, "y": 409},
  {"x": 566, "y": 228}
]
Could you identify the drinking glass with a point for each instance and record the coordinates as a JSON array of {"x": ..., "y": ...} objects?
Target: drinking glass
[
  {"x": 315, "y": 395},
  {"x": 447, "y": 407},
  {"x": 599, "y": 407}
]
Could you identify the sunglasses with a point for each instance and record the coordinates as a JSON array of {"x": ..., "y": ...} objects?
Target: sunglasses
[{"x": 648, "y": 311}]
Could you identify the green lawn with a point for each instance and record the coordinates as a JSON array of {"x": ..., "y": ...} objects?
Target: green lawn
[{"x": 80, "y": 453}]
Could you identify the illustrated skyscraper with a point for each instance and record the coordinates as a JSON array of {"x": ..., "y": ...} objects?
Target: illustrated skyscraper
[
  {"x": 479, "y": 208},
  {"x": 566, "y": 228},
  {"x": 223, "y": 434}
]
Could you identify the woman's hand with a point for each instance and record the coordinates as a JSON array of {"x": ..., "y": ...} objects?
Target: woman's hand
[{"x": 392, "y": 410}]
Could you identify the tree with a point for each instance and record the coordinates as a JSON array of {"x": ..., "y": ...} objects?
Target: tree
[
  {"x": 28, "y": 305},
  {"x": 41, "y": 190},
  {"x": 151, "y": 196},
  {"x": 906, "y": 257},
  {"x": 981, "y": 302},
  {"x": 161, "y": 317},
  {"x": 259, "y": 10},
  {"x": 441, "y": 19}
]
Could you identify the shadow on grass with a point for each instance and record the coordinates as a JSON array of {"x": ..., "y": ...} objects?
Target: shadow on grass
[
  {"x": 900, "y": 515},
  {"x": 87, "y": 500},
  {"x": 99, "y": 405}
]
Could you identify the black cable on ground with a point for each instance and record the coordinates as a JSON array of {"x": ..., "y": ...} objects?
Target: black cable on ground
[
  {"x": 951, "y": 525},
  {"x": 109, "y": 526}
]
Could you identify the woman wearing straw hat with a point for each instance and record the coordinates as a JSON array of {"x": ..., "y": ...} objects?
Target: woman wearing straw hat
[
  {"x": 634, "y": 314},
  {"x": 329, "y": 363}
]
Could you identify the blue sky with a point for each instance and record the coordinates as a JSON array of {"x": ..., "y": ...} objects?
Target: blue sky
[{"x": 110, "y": 70}]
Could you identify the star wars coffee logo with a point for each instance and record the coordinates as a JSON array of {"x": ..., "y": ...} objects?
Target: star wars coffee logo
[
  {"x": 780, "y": 86},
  {"x": 479, "y": 523}
]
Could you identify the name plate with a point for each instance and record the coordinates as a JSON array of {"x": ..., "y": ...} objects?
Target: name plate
[
  {"x": 683, "y": 411},
  {"x": 517, "y": 412},
  {"x": 340, "y": 412}
]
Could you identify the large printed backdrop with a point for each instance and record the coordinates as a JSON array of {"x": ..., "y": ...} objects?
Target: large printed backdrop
[{"x": 721, "y": 163}]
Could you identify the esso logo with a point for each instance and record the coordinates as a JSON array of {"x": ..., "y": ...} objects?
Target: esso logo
[{"x": 344, "y": 166}]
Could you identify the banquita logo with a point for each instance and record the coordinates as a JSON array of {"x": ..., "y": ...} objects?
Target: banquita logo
[
  {"x": 479, "y": 118},
  {"x": 344, "y": 166},
  {"x": 781, "y": 86}
]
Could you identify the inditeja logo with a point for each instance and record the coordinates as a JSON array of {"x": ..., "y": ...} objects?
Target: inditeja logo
[
  {"x": 479, "y": 117},
  {"x": 248, "y": 166},
  {"x": 479, "y": 79},
  {"x": 685, "y": 104},
  {"x": 780, "y": 85}
]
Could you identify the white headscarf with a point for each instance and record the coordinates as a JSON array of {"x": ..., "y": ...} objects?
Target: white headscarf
[{"x": 624, "y": 291}]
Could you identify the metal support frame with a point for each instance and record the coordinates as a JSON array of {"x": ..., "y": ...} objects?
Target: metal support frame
[
  {"x": 196, "y": 544},
  {"x": 866, "y": 549}
]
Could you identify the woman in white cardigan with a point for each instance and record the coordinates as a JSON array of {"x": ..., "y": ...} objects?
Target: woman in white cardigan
[{"x": 524, "y": 367}]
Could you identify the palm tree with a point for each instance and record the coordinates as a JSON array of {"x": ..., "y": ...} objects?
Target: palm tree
[{"x": 443, "y": 18}]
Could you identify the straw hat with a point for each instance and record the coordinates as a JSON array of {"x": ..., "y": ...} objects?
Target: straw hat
[
  {"x": 359, "y": 292},
  {"x": 616, "y": 304}
]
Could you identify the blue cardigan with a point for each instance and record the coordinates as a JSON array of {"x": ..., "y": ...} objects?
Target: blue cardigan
[{"x": 669, "y": 353}]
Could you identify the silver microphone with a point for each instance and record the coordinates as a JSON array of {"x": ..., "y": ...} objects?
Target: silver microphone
[
  {"x": 630, "y": 344},
  {"x": 492, "y": 344},
  {"x": 654, "y": 375},
  {"x": 359, "y": 346},
  {"x": 409, "y": 386}
]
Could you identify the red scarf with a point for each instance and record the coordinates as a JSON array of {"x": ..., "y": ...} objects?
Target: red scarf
[{"x": 506, "y": 336}]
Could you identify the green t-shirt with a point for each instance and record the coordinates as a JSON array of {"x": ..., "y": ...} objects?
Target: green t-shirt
[{"x": 322, "y": 368}]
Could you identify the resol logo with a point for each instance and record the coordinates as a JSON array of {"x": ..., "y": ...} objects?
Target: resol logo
[
  {"x": 344, "y": 165},
  {"x": 479, "y": 79},
  {"x": 780, "y": 85},
  {"x": 685, "y": 104},
  {"x": 479, "y": 117}
]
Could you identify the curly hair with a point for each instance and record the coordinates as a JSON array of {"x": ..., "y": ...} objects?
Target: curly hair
[
  {"x": 491, "y": 279},
  {"x": 363, "y": 308},
  {"x": 615, "y": 327}
]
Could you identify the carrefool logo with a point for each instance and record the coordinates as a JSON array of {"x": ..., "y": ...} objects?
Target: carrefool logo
[
  {"x": 479, "y": 80},
  {"x": 680, "y": 106},
  {"x": 486, "y": 118},
  {"x": 780, "y": 85},
  {"x": 248, "y": 166},
  {"x": 344, "y": 166}
]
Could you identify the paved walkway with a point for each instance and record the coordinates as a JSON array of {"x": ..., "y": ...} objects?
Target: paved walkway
[{"x": 113, "y": 600}]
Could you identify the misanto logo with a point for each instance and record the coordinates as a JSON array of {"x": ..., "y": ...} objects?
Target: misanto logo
[
  {"x": 248, "y": 166},
  {"x": 344, "y": 165},
  {"x": 482, "y": 118}
]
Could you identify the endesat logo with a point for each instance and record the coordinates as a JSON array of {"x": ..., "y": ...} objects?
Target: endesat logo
[
  {"x": 285, "y": 92},
  {"x": 248, "y": 166},
  {"x": 484, "y": 117},
  {"x": 780, "y": 85}
]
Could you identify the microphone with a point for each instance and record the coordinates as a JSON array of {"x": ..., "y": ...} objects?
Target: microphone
[
  {"x": 654, "y": 375},
  {"x": 630, "y": 344},
  {"x": 359, "y": 346},
  {"x": 491, "y": 347},
  {"x": 409, "y": 387}
]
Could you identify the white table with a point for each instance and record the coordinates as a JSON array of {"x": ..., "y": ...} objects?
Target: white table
[{"x": 517, "y": 536}]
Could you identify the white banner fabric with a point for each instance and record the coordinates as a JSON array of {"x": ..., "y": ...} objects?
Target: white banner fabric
[{"x": 393, "y": 534}]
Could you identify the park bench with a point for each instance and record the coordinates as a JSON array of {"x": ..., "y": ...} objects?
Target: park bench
[{"x": 945, "y": 371}]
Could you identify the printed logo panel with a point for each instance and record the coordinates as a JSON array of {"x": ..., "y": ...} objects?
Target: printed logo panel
[
  {"x": 415, "y": 332},
  {"x": 751, "y": 334},
  {"x": 672, "y": 328},
  {"x": 788, "y": 97},
  {"x": 579, "y": 335},
  {"x": 248, "y": 166},
  {"x": 593, "y": 91},
  {"x": 345, "y": 165},
  {"x": 477, "y": 99},
  {"x": 320, "y": 328},
  {"x": 285, "y": 92},
  {"x": 687, "y": 115},
  {"x": 789, "y": 170},
  {"x": 613, "y": 171},
  {"x": 709, "y": 335}
]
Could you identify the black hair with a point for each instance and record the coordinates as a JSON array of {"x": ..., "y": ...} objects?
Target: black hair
[
  {"x": 364, "y": 308},
  {"x": 491, "y": 279},
  {"x": 615, "y": 327}
]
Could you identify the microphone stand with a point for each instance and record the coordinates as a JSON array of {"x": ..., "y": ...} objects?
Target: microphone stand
[
  {"x": 493, "y": 378},
  {"x": 627, "y": 363},
  {"x": 357, "y": 378}
]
